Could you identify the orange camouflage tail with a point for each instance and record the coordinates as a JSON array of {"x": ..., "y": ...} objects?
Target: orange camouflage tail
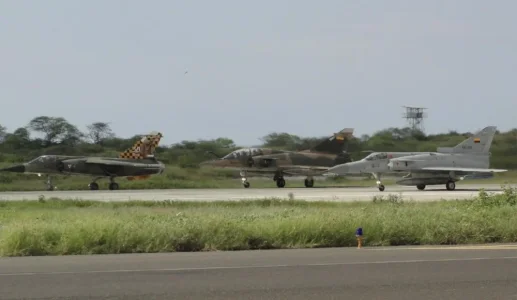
[{"x": 143, "y": 148}]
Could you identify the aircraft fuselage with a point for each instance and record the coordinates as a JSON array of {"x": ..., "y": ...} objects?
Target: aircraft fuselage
[{"x": 78, "y": 165}]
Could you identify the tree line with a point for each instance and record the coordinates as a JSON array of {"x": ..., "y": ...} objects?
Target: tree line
[{"x": 58, "y": 136}]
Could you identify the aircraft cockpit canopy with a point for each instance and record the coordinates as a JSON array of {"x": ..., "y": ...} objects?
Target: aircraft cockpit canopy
[
  {"x": 376, "y": 156},
  {"x": 41, "y": 159},
  {"x": 240, "y": 153}
]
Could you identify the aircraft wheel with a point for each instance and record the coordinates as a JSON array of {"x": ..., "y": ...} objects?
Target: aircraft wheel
[
  {"x": 113, "y": 186},
  {"x": 246, "y": 184},
  {"x": 309, "y": 183},
  {"x": 93, "y": 186},
  {"x": 420, "y": 187},
  {"x": 280, "y": 182},
  {"x": 450, "y": 186},
  {"x": 381, "y": 188}
]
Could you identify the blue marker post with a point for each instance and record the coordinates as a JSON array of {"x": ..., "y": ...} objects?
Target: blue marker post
[{"x": 359, "y": 236}]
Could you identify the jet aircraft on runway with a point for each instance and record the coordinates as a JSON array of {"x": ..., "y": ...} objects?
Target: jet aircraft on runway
[
  {"x": 135, "y": 163},
  {"x": 448, "y": 165},
  {"x": 309, "y": 163}
]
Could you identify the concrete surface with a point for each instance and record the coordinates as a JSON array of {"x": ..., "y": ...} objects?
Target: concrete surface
[
  {"x": 331, "y": 194},
  {"x": 467, "y": 272}
]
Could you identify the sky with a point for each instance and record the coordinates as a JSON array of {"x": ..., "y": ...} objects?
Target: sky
[{"x": 254, "y": 67}]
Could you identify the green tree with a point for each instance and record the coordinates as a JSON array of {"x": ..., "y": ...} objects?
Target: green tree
[
  {"x": 281, "y": 140},
  {"x": 3, "y": 132},
  {"x": 99, "y": 131},
  {"x": 55, "y": 130}
]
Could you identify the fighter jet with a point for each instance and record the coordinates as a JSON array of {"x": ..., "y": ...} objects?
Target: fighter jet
[
  {"x": 469, "y": 159},
  {"x": 309, "y": 163},
  {"x": 135, "y": 163}
]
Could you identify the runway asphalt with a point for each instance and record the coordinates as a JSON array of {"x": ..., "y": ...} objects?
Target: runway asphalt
[
  {"x": 467, "y": 272},
  {"x": 345, "y": 194}
]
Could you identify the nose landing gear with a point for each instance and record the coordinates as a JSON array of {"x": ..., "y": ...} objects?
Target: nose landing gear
[
  {"x": 245, "y": 182},
  {"x": 50, "y": 186},
  {"x": 380, "y": 186}
]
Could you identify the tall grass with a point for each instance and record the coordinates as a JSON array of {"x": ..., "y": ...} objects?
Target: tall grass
[{"x": 63, "y": 227}]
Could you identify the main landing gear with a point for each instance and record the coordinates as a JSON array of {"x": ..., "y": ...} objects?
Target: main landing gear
[
  {"x": 95, "y": 186},
  {"x": 278, "y": 178},
  {"x": 280, "y": 181},
  {"x": 309, "y": 182},
  {"x": 450, "y": 186}
]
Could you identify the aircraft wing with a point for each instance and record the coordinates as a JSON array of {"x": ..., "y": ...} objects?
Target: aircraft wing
[
  {"x": 301, "y": 167},
  {"x": 263, "y": 157},
  {"x": 108, "y": 162},
  {"x": 463, "y": 169},
  {"x": 304, "y": 170},
  {"x": 291, "y": 170}
]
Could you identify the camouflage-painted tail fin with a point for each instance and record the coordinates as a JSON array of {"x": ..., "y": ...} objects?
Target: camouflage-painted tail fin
[
  {"x": 479, "y": 143},
  {"x": 334, "y": 144},
  {"x": 143, "y": 148}
]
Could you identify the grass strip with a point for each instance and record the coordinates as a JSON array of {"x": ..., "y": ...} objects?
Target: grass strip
[{"x": 65, "y": 227}]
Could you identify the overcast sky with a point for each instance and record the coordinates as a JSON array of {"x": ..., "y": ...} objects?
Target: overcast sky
[{"x": 305, "y": 67}]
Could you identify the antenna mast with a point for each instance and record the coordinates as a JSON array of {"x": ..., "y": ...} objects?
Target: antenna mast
[{"x": 415, "y": 117}]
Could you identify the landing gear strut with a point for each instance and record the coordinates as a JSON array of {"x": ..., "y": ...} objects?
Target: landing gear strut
[
  {"x": 50, "y": 186},
  {"x": 380, "y": 186}
]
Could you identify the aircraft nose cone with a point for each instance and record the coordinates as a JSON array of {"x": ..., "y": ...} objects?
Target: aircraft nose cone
[
  {"x": 16, "y": 169},
  {"x": 340, "y": 169},
  {"x": 356, "y": 167}
]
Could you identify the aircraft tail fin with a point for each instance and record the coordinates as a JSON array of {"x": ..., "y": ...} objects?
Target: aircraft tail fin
[
  {"x": 478, "y": 143},
  {"x": 335, "y": 143},
  {"x": 144, "y": 147}
]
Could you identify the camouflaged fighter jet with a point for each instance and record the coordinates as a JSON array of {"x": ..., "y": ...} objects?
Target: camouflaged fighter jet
[
  {"x": 280, "y": 163},
  {"x": 468, "y": 159},
  {"x": 135, "y": 163}
]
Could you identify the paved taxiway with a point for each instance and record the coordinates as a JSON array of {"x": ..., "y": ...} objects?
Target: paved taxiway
[
  {"x": 468, "y": 272},
  {"x": 314, "y": 194}
]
